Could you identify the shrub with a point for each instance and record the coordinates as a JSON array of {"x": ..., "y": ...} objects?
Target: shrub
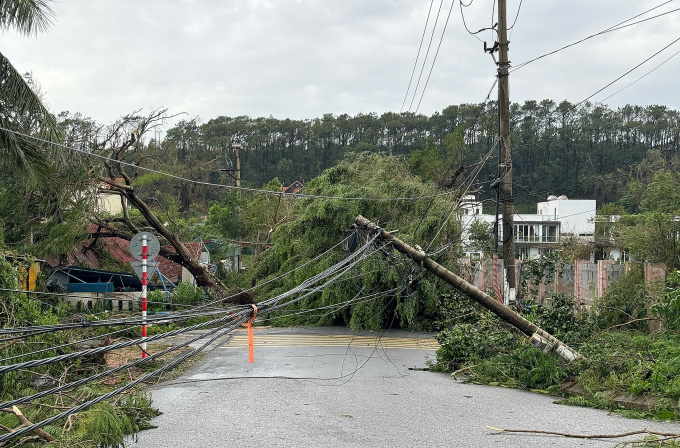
[
  {"x": 471, "y": 342},
  {"x": 560, "y": 320},
  {"x": 626, "y": 300},
  {"x": 668, "y": 309}
]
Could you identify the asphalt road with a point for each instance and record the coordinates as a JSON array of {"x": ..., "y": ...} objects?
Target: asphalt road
[{"x": 331, "y": 387}]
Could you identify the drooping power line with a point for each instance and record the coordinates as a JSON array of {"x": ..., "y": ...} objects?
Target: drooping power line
[
  {"x": 429, "y": 45},
  {"x": 628, "y": 72},
  {"x": 616, "y": 27},
  {"x": 441, "y": 39},
  {"x": 415, "y": 64},
  {"x": 641, "y": 77}
]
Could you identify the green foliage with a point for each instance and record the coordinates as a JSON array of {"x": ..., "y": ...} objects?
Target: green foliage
[
  {"x": 661, "y": 194},
  {"x": 148, "y": 179},
  {"x": 652, "y": 233},
  {"x": 319, "y": 223},
  {"x": 104, "y": 425},
  {"x": 137, "y": 407},
  {"x": 440, "y": 161},
  {"x": 581, "y": 152},
  {"x": 481, "y": 236},
  {"x": 187, "y": 294},
  {"x": 21, "y": 108},
  {"x": 625, "y": 301},
  {"x": 250, "y": 216},
  {"x": 668, "y": 309},
  {"x": 536, "y": 269},
  {"x": 489, "y": 352},
  {"x": 224, "y": 217},
  {"x": 622, "y": 361},
  {"x": 560, "y": 320},
  {"x": 635, "y": 363},
  {"x": 184, "y": 294},
  {"x": 471, "y": 343},
  {"x": 526, "y": 368}
]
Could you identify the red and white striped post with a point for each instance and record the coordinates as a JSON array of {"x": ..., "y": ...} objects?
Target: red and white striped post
[{"x": 144, "y": 280}]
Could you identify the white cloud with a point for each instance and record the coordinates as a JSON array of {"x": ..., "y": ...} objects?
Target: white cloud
[{"x": 303, "y": 58}]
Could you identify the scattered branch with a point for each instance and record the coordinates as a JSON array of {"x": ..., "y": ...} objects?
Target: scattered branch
[
  {"x": 629, "y": 322},
  {"x": 24, "y": 423},
  {"x": 11, "y": 343},
  {"x": 668, "y": 436},
  {"x": 453, "y": 375}
]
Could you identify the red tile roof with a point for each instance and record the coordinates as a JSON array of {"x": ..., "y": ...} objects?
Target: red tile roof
[
  {"x": 172, "y": 270},
  {"x": 119, "y": 248},
  {"x": 293, "y": 188}
]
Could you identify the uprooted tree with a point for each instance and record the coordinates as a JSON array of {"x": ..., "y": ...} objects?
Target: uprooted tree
[{"x": 122, "y": 153}]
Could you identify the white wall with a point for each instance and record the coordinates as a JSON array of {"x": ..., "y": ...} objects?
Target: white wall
[
  {"x": 576, "y": 216},
  {"x": 110, "y": 203}
]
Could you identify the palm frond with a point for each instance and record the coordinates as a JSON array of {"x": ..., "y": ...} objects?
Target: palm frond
[
  {"x": 23, "y": 154},
  {"x": 22, "y": 111},
  {"x": 17, "y": 96},
  {"x": 26, "y": 16}
]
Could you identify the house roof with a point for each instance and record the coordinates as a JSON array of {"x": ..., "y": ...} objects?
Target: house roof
[
  {"x": 119, "y": 248},
  {"x": 293, "y": 188},
  {"x": 105, "y": 186},
  {"x": 85, "y": 276},
  {"x": 172, "y": 270}
]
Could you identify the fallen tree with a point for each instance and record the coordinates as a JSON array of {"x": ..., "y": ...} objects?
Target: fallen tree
[{"x": 124, "y": 153}]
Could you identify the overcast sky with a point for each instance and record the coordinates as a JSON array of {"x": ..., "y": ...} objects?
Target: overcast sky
[{"x": 303, "y": 58}]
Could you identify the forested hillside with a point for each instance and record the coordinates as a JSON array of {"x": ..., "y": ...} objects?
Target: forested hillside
[{"x": 557, "y": 148}]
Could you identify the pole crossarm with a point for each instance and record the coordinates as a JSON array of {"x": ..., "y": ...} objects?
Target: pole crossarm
[{"x": 538, "y": 337}]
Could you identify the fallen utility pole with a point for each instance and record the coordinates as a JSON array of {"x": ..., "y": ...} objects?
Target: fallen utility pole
[{"x": 538, "y": 337}]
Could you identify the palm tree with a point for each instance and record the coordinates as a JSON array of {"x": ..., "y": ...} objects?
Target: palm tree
[{"x": 21, "y": 110}]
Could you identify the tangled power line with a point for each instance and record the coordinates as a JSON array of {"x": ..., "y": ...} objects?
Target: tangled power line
[{"x": 220, "y": 323}]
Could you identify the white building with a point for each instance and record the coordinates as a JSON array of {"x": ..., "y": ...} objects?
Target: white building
[
  {"x": 109, "y": 201},
  {"x": 576, "y": 216},
  {"x": 535, "y": 234}
]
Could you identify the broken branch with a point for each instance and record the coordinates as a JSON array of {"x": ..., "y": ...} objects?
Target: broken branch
[
  {"x": 25, "y": 422},
  {"x": 588, "y": 436}
]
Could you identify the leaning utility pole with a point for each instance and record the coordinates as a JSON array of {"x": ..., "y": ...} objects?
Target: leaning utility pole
[
  {"x": 538, "y": 337},
  {"x": 505, "y": 157}
]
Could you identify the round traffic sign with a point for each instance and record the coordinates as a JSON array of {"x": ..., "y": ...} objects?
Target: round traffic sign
[{"x": 153, "y": 246}]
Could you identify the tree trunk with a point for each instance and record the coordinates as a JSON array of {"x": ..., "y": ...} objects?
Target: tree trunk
[{"x": 183, "y": 256}]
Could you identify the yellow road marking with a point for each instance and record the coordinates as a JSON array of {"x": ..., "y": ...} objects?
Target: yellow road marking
[{"x": 304, "y": 340}]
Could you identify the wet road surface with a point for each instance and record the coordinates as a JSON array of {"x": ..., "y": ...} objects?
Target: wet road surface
[{"x": 332, "y": 387}]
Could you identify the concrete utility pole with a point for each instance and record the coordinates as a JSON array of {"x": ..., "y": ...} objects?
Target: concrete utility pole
[
  {"x": 505, "y": 158},
  {"x": 237, "y": 176},
  {"x": 539, "y": 338},
  {"x": 237, "y": 151}
]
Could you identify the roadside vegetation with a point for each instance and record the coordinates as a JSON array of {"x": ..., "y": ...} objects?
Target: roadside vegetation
[
  {"x": 623, "y": 359},
  {"x": 104, "y": 424}
]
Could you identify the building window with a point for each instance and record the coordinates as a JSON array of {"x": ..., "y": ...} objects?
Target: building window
[
  {"x": 549, "y": 234},
  {"x": 527, "y": 233},
  {"x": 522, "y": 253}
]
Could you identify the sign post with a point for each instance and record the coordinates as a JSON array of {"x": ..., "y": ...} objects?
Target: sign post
[
  {"x": 144, "y": 280},
  {"x": 142, "y": 246}
]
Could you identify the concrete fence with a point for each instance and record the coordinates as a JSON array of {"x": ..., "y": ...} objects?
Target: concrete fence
[{"x": 584, "y": 280}]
